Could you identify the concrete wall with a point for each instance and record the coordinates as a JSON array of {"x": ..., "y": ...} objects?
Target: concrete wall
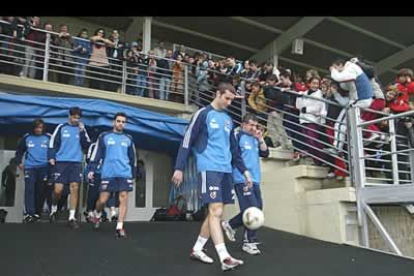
[
  {"x": 296, "y": 201},
  {"x": 399, "y": 224}
]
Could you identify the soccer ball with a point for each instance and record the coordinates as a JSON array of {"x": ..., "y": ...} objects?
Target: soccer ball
[{"x": 253, "y": 218}]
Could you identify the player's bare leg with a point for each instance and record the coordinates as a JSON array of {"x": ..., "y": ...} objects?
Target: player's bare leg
[{"x": 197, "y": 251}]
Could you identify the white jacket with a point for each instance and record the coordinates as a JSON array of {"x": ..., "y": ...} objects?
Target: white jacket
[{"x": 315, "y": 108}]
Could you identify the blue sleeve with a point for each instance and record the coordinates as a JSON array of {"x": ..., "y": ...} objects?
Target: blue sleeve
[
  {"x": 132, "y": 154},
  {"x": 237, "y": 160},
  {"x": 97, "y": 154},
  {"x": 196, "y": 124},
  {"x": 21, "y": 149},
  {"x": 84, "y": 139},
  {"x": 54, "y": 143}
]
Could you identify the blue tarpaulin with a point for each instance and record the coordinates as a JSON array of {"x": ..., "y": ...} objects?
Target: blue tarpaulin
[{"x": 150, "y": 130}]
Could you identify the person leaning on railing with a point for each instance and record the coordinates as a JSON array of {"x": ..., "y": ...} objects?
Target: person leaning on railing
[
  {"x": 64, "y": 42},
  {"x": 115, "y": 54},
  {"x": 274, "y": 98},
  {"x": 81, "y": 51},
  {"x": 257, "y": 102},
  {"x": 164, "y": 72},
  {"x": 98, "y": 62}
]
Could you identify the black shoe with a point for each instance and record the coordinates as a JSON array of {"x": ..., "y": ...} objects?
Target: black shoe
[
  {"x": 73, "y": 224},
  {"x": 104, "y": 219},
  {"x": 53, "y": 217},
  {"x": 36, "y": 217},
  {"x": 120, "y": 233},
  {"x": 29, "y": 219},
  {"x": 114, "y": 218}
]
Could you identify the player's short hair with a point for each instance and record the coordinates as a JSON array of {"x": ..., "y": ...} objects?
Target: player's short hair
[
  {"x": 37, "y": 122},
  {"x": 75, "y": 111},
  {"x": 120, "y": 114},
  {"x": 225, "y": 86},
  {"x": 248, "y": 117}
]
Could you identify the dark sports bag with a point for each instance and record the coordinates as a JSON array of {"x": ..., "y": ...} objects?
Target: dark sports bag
[
  {"x": 176, "y": 212},
  {"x": 160, "y": 215}
]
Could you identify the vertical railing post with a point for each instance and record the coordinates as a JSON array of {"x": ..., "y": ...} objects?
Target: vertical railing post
[
  {"x": 394, "y": 155},
  {"x": 186, "y": 85},
  {"x": 243, "y": 100},
  {"x": 358, "y": 167},
  {"x": 46, "y": 60},
  {"x": 124, "y": 77}
]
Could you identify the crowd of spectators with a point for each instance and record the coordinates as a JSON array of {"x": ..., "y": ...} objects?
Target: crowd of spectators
[{"x": 278, "y": 95}]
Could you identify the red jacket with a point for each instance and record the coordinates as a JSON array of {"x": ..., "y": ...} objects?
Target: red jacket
[
  {"x": 407, "y": 89},
  {"x": 399, "y": 105}
]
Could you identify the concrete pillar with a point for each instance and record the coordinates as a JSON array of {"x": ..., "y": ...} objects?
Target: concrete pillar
[{"x": 146, "y": 28}]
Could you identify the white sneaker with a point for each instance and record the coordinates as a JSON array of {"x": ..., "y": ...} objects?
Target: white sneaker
[
  {"x": 230, "y": 263},
  {"x": 251, "y": 248},
  {"x": 201, "y": 256},
  {"x": 330, "y": 175},
  {"x": 230, "y": 232}
]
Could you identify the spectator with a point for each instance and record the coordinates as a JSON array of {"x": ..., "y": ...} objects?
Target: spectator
[
  {"x": 255, "y": 72},
  {"x": 291, "y": 116},
  {"x": 142, "y": 77},
  {"x": 165, "y": 73},
  {"x": 32, "y": 40},
  {"x": 115, "y": 57},
  {"x": 340, "y": 97},
  {"x": 245, "y": 73},
  {"x": 180, "y": 51},
  {"x": 160, "y": 51},
  {"x": 98, "y": 62},
  {"x": 233, "y": 68},
  {"x": 6, "y": 47},
  {"x": 405, "y": 84},
  {"x": 81, "y": 51},
  {"x": 202, "y": 80},
  {"x": 257, "y": 101},
  {"x": 311, "y": 112},
  {"x": 64, "y": 44},
  {"x": 52, "y": 76},
  {"x": 178, "y": 79},
  {"x": 152, "y": 79},
  {"x": 276, "y": 131},
  {"x": 132, "y": 72},
  {"x": 20, "y": 27},
  {"x": 268, "y": 70}
]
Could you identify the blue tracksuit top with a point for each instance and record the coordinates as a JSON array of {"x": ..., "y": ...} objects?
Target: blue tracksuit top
[
  {"x": 34, "y": 148},
  {"x": 118, "y": 155},
  {"x": 67, "y": 143},
  {"x": 250, "y": 151},
  {"x": 210, "y": 137}
]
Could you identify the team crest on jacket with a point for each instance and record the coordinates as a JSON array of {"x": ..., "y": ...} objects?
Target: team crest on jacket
[
  {"x": 227, "y": 126},
  {"x": 213, "y": 194}
]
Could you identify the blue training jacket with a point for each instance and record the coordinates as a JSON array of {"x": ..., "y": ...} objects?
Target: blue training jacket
[
  {"x": 251, "y": 153},
  {"x": 67, "y": 143},
  {"x": 210, "y": 137},
  {"x": 34, "y": 148},
  {"x": 118, "y": 155}
]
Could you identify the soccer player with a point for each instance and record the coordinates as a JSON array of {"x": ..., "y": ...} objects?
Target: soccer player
[
  {"x": 34, "y": 146},
  {"x": 93, "y": 191},
  {"x": 252, "y": 146},
  {"x": 210, "y": 136},
  {"x": 117, "y": 151},
  {"x": 66, "y": 156}
]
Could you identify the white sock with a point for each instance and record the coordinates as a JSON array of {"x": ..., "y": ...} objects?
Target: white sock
[
  {"x": 54, "y": 209},
  {"x": 113, "y": 212},
  {"x": 119, "y": 225},
  {"x": 199, "y": 244},
  {"x": 90, "y": 214},
  {"x": 97, "y": 214},
  {"x": 72, "y": 214},
  {"x": 222, "y": 251}
]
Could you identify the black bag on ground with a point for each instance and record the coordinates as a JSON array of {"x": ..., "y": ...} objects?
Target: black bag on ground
[
  {"x": 200, "y": 215},
  {"x": 160, "y": 215}
]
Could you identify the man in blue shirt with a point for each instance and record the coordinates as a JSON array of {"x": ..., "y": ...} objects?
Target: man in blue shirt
[
  {"x": 116, "y": 150},
  {"x": 210, "y": 137},
  {"x": 252, "y": 146},
  {"x": 93, "y": 191},
  {"x": 66, "y": 156},
  {"x": 34, "y": 146}
]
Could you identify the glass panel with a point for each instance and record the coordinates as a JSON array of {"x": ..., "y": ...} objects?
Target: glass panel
[{"x": 140, "y": 186}]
